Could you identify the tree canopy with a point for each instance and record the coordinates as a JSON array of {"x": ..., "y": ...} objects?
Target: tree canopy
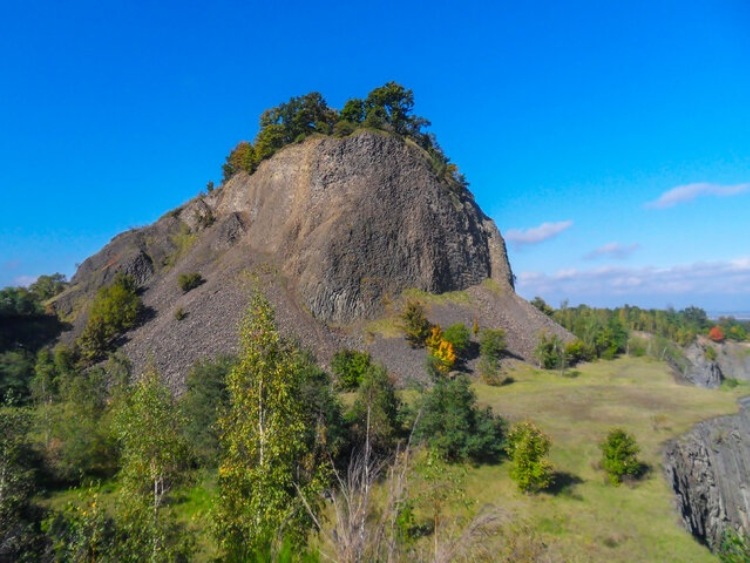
[{"x": 388, "y": 108}]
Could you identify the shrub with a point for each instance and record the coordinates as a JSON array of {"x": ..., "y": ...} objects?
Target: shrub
[
  {"x": 619, "y": 455},
  {"x": 180, "y": 314},
  {"x": 442, "y": 357},
  {"x": 710, "y": 353},
  {"x": 734, "y": 547},
  {"x": 528, "y": 448},
  {"x": 459, "y": 337},
  {"x": 578, "y": 351},
  {"x": 416, "y": 327},
  {"x": 491, "y": 350},
  {"x": 541, "y": 304},
  {"x": 189, "y": 281},
  {"x": 350, "y": 367},
  {"x": 550, "y": 351}
]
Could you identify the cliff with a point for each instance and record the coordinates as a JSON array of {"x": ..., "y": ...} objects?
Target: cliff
[{"x": 709, "y": 471}]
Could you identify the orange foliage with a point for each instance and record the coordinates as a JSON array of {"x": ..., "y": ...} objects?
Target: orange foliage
[{"x": 716, "y": 334}]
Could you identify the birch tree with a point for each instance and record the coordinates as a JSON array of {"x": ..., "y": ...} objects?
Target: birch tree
[{"x": 267, "y": 466}]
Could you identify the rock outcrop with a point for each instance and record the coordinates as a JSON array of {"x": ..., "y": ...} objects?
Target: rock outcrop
[
  {"x": 699, "y": 369},
  {"x": 709, "y": 471},
  {"x": 333, "y": 230},
  {"x": 707, "y": 364}
]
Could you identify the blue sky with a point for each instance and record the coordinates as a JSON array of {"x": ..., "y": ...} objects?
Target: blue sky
[{"x": 609, "y": 143}]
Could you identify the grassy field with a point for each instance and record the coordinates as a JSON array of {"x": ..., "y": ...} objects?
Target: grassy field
[{"x": 586, "y": 519}]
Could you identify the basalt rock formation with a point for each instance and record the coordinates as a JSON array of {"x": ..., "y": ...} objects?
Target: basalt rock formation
[
  {"x": 709, "y": 471},
  {"x": 333, "y": 230},
  {"x": 730, "y": 360}
]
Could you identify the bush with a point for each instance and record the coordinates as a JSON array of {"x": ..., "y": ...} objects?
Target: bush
[
  {"x": 550, "y": 351},
  {"x": 189, "y": 281},
  {"x": 416, "y": 327},
  {"x": 350, "y": 367},
  {"x": 710, "y": 353},
  {"x": 528, "y": 448},
  {"x": 578, "y": 351},
  {"x": 180, "y": 314},
  {"x": 619, "y": 455},
  {"x": 459, "y": 337}
]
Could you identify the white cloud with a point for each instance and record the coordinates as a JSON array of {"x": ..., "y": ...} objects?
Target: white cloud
[
  {"x": 613, "y": 250},
  {"x": 701, "y": 281},
  {"x": 535, "y": 235},
  {"x": 689, "y": 192}
]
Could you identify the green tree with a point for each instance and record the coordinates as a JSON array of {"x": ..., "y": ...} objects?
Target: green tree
[
  {"x": 46, "y": 287},
  {"x": 374, "y": 416},
  {"x": 394, "y": 104},
  {"x": 266, "y": 467},
  {"x": 155, "y": 458},
  {"x": 353, "y": 111},
  {"x": 206, "y": 396},
  {"x": 18, "y": 534},
  {"x": 241, "y": 158},
  {"x": 620, "y": 455},
  {"x": 454, "y": 427},
  {"x": 350, "y": 367},
  {"x": 81, "y": 445},
  {"x": 115, "y": 310},
  {"x": 16, "y": 368},
  {"x": 491, "y": 350},
  {"x": 528, "y": 448},
  {"x": 416, "y": 327}
]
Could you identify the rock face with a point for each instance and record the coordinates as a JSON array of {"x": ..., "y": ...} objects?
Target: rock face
[
  {"x": 709, "y": 471},
  {"x": 699, "y": 370},
  {"x": 361, "y": 218},
  {"x": 732, "y": 360},
  {"x": 332, "y": 230}
]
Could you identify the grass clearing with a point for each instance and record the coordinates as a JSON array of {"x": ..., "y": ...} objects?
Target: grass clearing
[{"x": 586, "y": 518}]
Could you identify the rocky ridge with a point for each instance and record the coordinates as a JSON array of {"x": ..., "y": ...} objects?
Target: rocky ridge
[{"x": 333, "y": 230}]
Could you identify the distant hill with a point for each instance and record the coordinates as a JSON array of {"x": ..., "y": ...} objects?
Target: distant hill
[{"x": 334, "y": 231}]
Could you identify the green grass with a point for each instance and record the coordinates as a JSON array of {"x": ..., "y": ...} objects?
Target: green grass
[
  {"x": 447, "y": 298},
  {"x": 589, "y": 519},
  {"x": 390, "y": 325}
]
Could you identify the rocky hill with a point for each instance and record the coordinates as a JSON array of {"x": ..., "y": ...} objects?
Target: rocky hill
[{"x": 334, "y": 231}]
